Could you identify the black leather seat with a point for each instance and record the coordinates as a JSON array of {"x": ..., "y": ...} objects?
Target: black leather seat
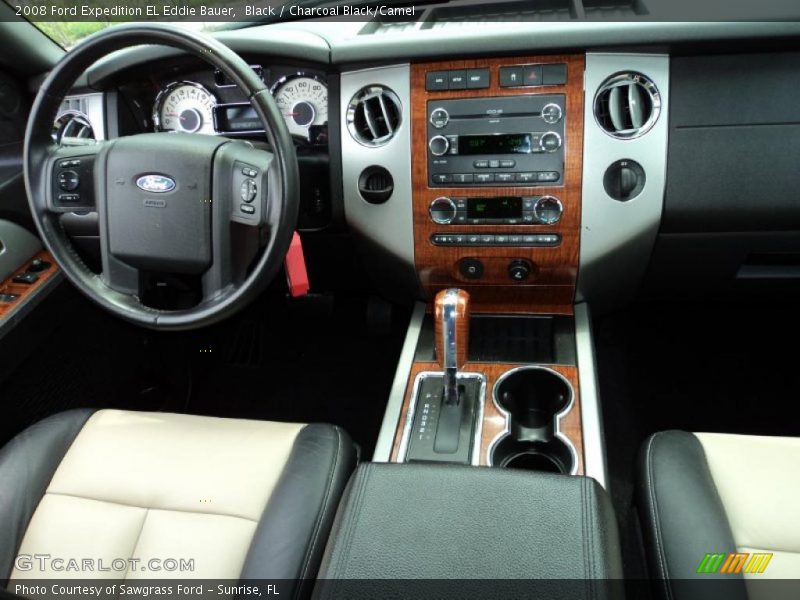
[
  {"x": 241, "y": 499},
  {"x": 722, "y": 510}
]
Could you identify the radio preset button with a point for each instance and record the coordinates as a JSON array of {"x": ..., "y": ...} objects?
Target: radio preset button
[
  {"x": 504, "y": 177},
  {"x": 439, "y": 117},
  {"x": 439, "y": 145},
  {"x": 550, "y": 141},
  {"x": 552, "y": 113},
  {"x": 442, "y": 210},
  {"x": 484, "y": 177},
  {"x": 526, "y": 177},
  {"x": 441, "y": 178},
  {"x": 462, "y": 178}
]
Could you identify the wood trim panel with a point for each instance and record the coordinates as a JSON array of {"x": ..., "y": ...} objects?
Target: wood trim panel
[
  {"x": 551, "y": 287},
  {"x": 494, "y": 422},
  {"x": 21, "y": 289}
]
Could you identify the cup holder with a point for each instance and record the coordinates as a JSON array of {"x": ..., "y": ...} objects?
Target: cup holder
[{"x": 532, "y": 398}]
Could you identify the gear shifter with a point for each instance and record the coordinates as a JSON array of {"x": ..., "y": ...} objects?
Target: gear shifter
[{"x": 451, "y": 315}]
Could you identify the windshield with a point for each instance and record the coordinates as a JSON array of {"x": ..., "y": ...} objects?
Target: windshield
[{"x": 67, "y": 34}]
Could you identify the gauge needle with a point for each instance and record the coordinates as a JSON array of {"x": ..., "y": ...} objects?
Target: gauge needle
[{"x": 176, "y": 117}]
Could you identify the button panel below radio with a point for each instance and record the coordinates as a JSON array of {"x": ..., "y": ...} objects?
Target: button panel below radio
[{"x": 532, "y": 240}]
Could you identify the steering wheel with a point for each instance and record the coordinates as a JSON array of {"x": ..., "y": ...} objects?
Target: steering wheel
[{"x": 203, "y": 208}]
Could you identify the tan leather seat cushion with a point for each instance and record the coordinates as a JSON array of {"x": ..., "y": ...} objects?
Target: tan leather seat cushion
[{"x": 159, "y": 486}]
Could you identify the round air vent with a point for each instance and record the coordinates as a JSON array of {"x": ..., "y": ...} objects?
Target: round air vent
[
  {"x": 72, "y": 127},
  {"x": 374, "y": 115},
  {"x": 375, "y": 184},
  {"x": 627, "y": 105}
]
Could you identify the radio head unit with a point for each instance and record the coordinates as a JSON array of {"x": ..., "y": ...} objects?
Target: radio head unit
[{"x": 499, "y": 141}]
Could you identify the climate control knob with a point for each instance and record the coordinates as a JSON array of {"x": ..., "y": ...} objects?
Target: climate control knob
[
  {"x": 439, "y": 145},
  {"x": 547, "y": 210},
  {"x": 442, "y": 210}
]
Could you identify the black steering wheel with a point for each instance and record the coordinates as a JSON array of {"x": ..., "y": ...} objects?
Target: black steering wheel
[{"x": 199, "y": 207}]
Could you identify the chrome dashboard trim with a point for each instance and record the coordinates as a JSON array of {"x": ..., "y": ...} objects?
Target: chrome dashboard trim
[
  {"x": 391, "y": 416},
  {"x": 389, "y": 225},
  {"x": 594, "y": 447},
  {"x": 617, "y": 238}
]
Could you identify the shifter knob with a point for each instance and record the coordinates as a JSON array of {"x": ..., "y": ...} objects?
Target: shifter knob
[{"x": 451, "y": 316}]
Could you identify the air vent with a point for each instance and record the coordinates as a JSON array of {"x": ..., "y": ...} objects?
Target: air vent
[
  {"x": 375, "y": 184},
  {"x": 72, "y": 127},
  {"x": 374, "y": 115},
  {"x": 627, "y": 105}
]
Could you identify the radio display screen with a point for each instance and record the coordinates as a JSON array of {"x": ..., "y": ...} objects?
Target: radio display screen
[
  {"x": 504, "y": 207},
  {"x": 503, "y": 143},
  {"x": 237, "y": 118}
]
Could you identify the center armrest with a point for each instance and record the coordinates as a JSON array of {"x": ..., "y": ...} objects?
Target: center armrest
[{"x": 438, "y": 521}]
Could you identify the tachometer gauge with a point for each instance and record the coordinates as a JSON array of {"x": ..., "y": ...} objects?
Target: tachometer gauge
[
  {"x": 303, "y": 100},
  {"x": 184, "y": 106}
]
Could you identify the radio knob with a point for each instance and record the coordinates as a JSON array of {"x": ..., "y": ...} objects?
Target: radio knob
[
  {"x": 439, "y": 145},
  {"x": 550, "y": 141},
  {"x": 552, "y": 113},
  {"x": 548, "y": 210},
  {"x": 439, "y": 117},
  {"x": 442, "y": 210}
]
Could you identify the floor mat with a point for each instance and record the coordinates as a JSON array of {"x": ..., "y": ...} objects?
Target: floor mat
[
  {"x": 320, "y": 360},
  {"x": 722, "y": 368}
]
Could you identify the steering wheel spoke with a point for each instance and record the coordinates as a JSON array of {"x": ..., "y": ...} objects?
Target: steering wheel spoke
[{"x": 70, "y": 178}]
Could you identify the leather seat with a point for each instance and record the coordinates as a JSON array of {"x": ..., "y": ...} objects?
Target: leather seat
[
  {"x": 241, "y": 499},
  {"x": 719, "y": 494}
]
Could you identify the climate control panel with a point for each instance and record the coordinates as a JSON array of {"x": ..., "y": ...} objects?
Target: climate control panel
[{"x": 497, "y": 210}]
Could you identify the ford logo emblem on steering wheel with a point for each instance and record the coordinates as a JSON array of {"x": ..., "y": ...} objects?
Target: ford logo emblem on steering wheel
[{"x": 158, "y": 184}]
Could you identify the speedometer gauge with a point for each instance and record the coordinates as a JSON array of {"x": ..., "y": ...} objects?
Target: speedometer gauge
[
  {"x": 184, "y": 106},
  {"x": 303, "y": 100}
]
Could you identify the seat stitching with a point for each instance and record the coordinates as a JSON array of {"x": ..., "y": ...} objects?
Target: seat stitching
[
  {"x": 662, "y": 559},
  {"x": 324, "y": 508},
  {"x": 139, "y": 536},
  {"x": 189, "y": 512}
]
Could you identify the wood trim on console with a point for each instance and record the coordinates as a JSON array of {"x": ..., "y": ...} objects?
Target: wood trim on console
[
  {"x": 24, "y": 291},
  {"x": 551, "y": 287},
  {"x": 494, "y": 422}
]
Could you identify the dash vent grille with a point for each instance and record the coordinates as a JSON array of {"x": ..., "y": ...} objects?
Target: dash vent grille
[
  {"x": 627, "y": 105},
  {"x": 374, "y": 115}
]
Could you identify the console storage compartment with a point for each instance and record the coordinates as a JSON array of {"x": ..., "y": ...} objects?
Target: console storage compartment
[{"x": 498, "y": 533}]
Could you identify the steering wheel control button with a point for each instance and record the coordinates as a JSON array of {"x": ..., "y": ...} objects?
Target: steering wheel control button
[
  {"x": 249, "y": 172},
  {"x": 69, "y": 198},
  {"x": 439, "y": 117},
  {"x": 248, "y": 190},
  {"x": 68, "y": 180},
  {"x": 442, "y": 210},
  {"x": 552, "y": 113},
  {"x": 248, "y": 209},
  {"x": 68, "y": 164},
  {"x": 550, "y": 141},
  {"x": 548, "y": 210},
  {"x": 470, "y": 268},
  {"x": 519, "y": 270}
]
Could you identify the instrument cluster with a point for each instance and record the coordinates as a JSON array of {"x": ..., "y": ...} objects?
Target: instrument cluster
[{"x": 213, "y": 105}]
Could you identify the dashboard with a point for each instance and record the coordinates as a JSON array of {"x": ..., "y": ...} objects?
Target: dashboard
[{"x": 498, "y": 162}]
